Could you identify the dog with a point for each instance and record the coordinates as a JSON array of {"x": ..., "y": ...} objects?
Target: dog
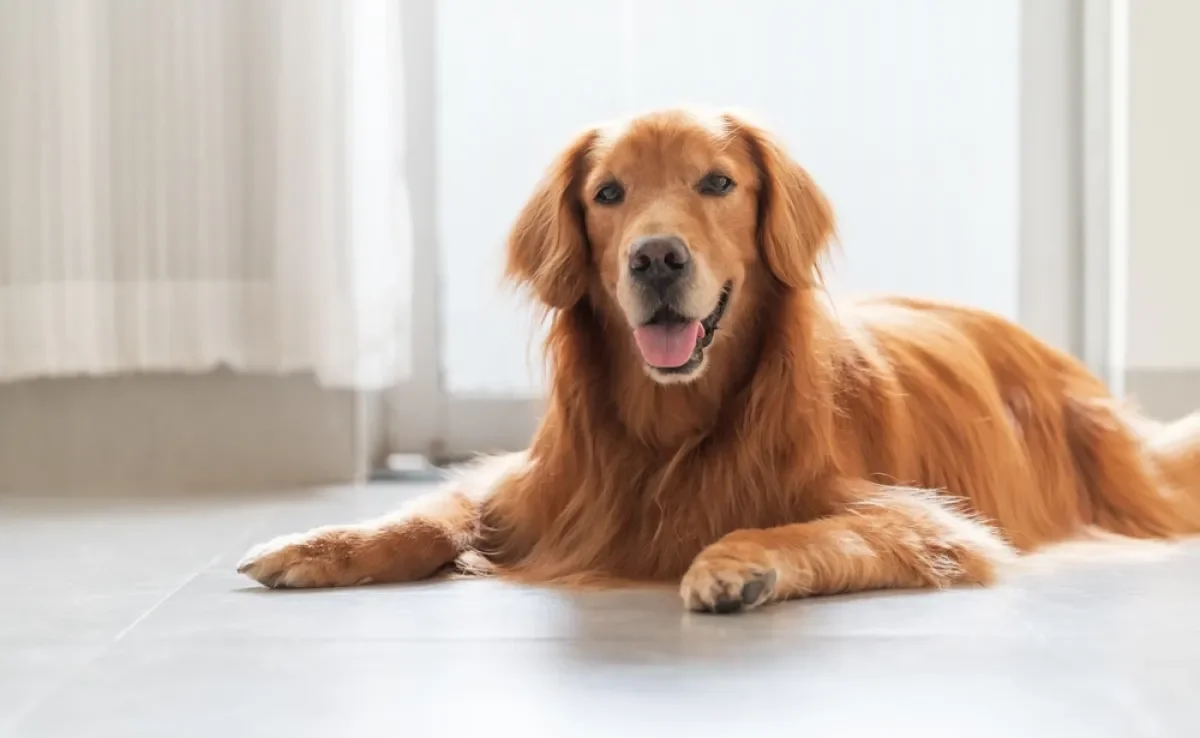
[{"x": 712, "y": 420}]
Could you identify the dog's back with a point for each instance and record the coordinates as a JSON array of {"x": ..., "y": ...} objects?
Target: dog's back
[{"x": 954, "y": 398}]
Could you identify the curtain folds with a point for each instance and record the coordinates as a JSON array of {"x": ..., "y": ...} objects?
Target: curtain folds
[{"x": 186, "y": 184}]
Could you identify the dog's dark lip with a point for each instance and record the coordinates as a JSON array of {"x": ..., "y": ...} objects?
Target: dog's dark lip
[
  {"x": 714, "y": 318},
  {"x": 666, "y": 315}
]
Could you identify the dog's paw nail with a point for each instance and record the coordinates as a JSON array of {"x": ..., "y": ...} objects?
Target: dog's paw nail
[{"x": 725, "y": 605}]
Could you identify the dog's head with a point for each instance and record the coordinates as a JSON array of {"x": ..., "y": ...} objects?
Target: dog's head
[{"x": 676, "y": 223}]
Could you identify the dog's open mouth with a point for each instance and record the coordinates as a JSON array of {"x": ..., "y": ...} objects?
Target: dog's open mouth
[{"x": 673, "y": 343}]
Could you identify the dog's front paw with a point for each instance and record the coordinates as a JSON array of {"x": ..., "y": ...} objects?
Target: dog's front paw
[
  {"x": 318, "y": 558},
  {"x": 727, "y": 577}
]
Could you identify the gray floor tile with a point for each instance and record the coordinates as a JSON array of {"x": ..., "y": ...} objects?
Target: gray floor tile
[
  {"x": 738, "y": 686},
  {"x": 32, "y": 669},
  {"x": 87, "y": 616}
]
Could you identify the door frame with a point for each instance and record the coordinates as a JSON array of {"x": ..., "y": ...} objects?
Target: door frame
[
  {"x": 1104, "y": 173},
  {"x": 1074, "y": 84}
]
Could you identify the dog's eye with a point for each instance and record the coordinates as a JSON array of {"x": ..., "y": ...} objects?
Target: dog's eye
[
  {"x": 610, "y": 193},
  {"x": 715, "y": 183}
]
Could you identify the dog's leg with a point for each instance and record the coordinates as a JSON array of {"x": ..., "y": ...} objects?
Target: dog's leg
[
  {"x": 897, "y": 538},
  {"x": 413, "y": 543}
]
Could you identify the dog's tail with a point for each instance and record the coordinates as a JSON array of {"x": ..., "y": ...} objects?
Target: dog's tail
[
  {"x": 1142, "y": 477},
  {"x": 1174, "y": 450}
]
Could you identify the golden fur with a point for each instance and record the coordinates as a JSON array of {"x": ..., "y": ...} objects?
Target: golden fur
[{"x": 890, "y": 443}]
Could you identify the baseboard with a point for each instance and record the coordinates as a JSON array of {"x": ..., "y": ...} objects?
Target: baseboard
[
  {"x": 1164, "y": 394},
  {"x": 170, "y": 433},
  {"x": 224, "y": 431}
]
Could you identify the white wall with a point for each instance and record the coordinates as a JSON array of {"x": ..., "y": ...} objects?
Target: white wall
[
  {"x": 1164, "y": 186},
  {"x": 907, "y": 113}
]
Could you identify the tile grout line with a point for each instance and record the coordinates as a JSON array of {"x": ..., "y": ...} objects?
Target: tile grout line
[
  {"x": 15, "y": 721},
  {"x": 150, "y": 610}
]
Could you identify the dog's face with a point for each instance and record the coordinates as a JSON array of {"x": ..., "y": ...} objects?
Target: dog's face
[
  {"x": 671, "y": 226},
  {"x": 669, "y": 220}
]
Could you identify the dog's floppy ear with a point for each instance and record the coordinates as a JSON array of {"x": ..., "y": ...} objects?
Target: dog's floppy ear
[
  {"x": 795, "y": 221},
  {"x": 547, "y": 247}
]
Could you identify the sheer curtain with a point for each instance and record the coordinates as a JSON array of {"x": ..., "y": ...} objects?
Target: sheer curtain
[{"x": 186, "y": 184}]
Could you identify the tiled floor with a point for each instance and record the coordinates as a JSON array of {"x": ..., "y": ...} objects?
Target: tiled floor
[{"x": 124, "y": 618}]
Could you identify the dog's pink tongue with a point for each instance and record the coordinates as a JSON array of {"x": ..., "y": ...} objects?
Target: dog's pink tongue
[{"x": 668, "y": 346}]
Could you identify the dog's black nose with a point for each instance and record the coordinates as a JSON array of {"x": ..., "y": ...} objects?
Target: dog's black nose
[{"x": 659, "y": 261}]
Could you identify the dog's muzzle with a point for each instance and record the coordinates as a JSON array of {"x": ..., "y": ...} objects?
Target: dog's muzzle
[{"x": 672, "y": 343}]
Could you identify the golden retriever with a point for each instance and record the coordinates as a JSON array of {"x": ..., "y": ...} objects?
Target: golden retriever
[{"x": 712, "y": 421}]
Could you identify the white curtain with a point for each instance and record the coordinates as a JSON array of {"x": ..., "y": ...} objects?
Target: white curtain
[{"x": 186, "y": 184}]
